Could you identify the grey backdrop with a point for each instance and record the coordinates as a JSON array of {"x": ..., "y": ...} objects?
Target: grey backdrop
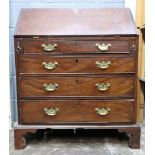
[{"x": 16, "y": 5}]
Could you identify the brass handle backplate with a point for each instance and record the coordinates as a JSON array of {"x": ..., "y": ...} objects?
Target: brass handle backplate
[
  {"x": 50, "y": 87},
  {"x": 50, "y": 65},
  {"x": 103, "y": 64},
  {"x": 49, "y": 47},
  {"x": 103, "y": 47},
  {"x": 102, "y": 111},
  {"x": 102, "y": 86},
  {"x": 51, "y": 111}
]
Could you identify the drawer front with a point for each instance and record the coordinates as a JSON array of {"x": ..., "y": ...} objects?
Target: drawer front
[
  {"x": 30, "y": 64},
  {"x": 90, "y": 86},
  {"x": 48, "y": 111},
  {"x": 67, "y": 46}
]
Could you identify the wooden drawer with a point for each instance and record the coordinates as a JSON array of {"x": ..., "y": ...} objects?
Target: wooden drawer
[
  {"x": 30, "y": 45},
  {"x": 113, "y": 86},
  {"x": 75, "y": 111},
  {"x": 81, "y": 65}
]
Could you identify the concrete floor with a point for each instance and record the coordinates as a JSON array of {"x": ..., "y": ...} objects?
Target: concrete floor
[{"x": 84, "y": 142}]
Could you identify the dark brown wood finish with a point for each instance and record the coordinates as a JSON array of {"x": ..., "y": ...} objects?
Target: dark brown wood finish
[
  {"x": 132, "y": 131},
  {"x": 35, "y": 46},
  {"x": 134, "y": 136},
  {"x": 48, "y": 22},
  {"x": 78, "y": 65},
  {"x": 76, "y": 72},
  {"x": 20, "y": 141},
  {"x": 76, "y": 111},
  {"x": 77, "y": 86}
]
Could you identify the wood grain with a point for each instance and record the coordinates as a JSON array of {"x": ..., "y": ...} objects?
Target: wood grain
[
  {"x": 31, "y": 45},
  {"x": 99, "y": 21},
  {"x": 30, "y": 64},
  {"x": 76, "y": 34},
  {"x": 77, "y": 86},
  {"x": 75, "y": 111}
]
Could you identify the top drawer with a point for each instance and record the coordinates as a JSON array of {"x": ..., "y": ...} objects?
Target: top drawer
[{"x": 55, "y": 46}]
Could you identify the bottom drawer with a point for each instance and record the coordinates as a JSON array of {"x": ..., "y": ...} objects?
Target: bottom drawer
[{"x": 86, "y": 111}]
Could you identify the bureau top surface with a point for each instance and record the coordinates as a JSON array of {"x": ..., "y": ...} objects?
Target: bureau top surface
[{"x": 73, "y": 22}]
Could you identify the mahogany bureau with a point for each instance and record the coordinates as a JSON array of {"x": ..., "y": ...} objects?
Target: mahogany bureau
[{"x": 76, "y": 68}]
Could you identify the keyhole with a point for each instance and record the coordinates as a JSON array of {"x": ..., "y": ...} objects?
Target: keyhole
[
  {"x": 75, "y": 11},
  {"x": 77, "y": 60}
]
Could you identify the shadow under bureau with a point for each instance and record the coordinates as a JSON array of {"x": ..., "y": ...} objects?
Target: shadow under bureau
[{"x": 76, "y": 68}]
